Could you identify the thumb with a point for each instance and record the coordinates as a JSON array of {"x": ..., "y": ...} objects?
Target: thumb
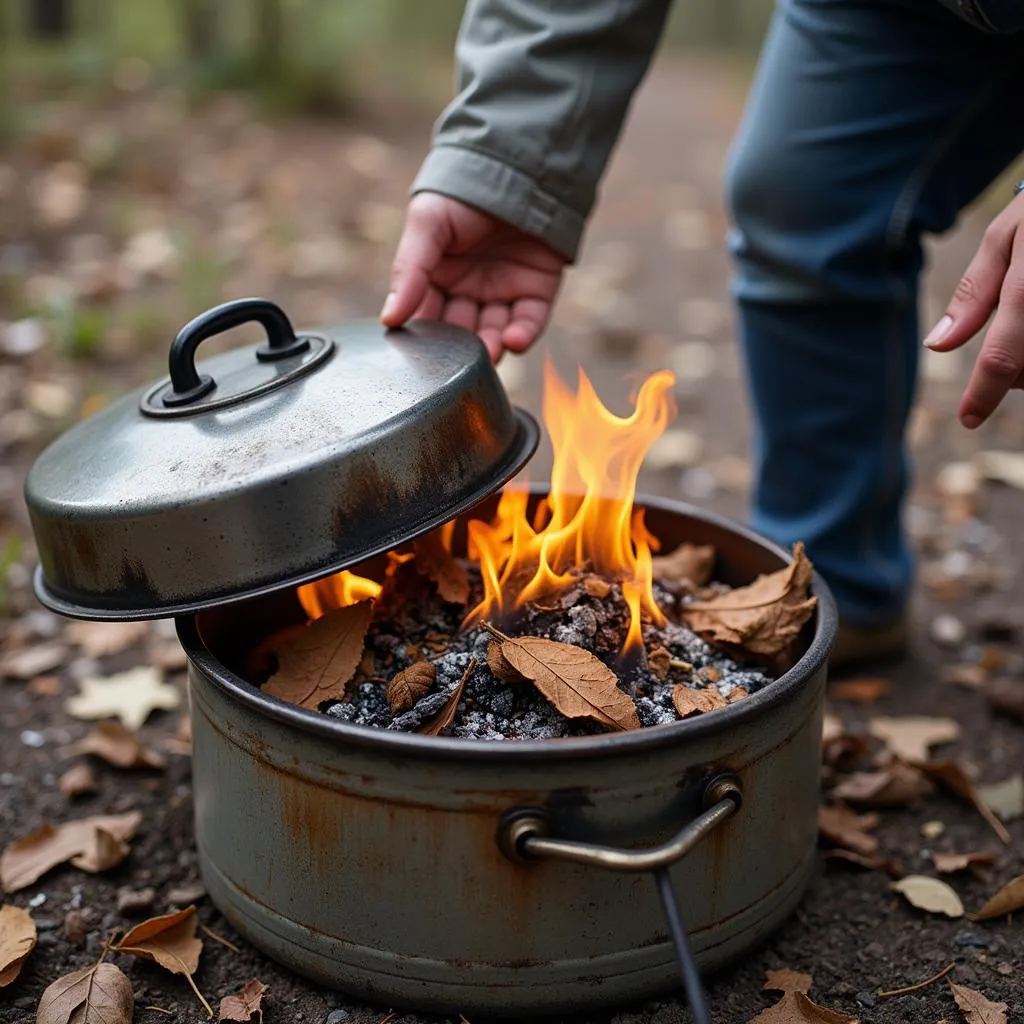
[
  {"x": 419, "y": 252},
  {"x": 976, "y": 295}
]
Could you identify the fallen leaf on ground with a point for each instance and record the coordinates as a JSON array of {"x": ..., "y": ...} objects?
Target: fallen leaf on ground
[
  {"x": 130, "y": 696},
  {"x": 865, "y": 690},
  {"x": 785, "y": 980},
  {"x": 688, "y": 701},
  {"x": 894, "y": 786},
  {"x": 409, "y": 685},
  {"x": 967, "y": 675},
  {"x": 434, "y": 560},
  {"x": 112, "y": 742},
  {"x": 17, "y": 940},
  {"x": 244, "y": 1004},
  {"x": 796, "y": 1008},
  {"x": 910, "y": 738},
  {"x": 929, "y": 894},
  {"x": 574, "y": 680},
  {"x": 871, "y": 863},
  {"x": 92, "y": 844},
  {"x": 948, "y": 863},
  {"x": 832, "y": 727},
  {"x": 952, "y": 774},
  {"x": 101, "y": 639},
  {"x": 977, "y": 1009},
  {"x": 689, "y": 563},
  {"x": 318, "y": 663},
  {"x": 96, "y": 995},
  {"x": 444, "y": 717},
  {"x": 32, "y": 661},
  {"x": 843, "y": 827},
  {"x": 1005, "y": 467},
  {"x": 764, "y": 618},
  {"x": 1007, "y": 697},
  {"x": 1008, "y": 900},
  {"x": 169, "y": 940},
  {"x": 78, "y": 780},
  {"x": 1005, "y": 798}
]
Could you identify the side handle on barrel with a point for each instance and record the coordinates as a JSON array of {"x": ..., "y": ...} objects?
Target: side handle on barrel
[{"x": 523, "y": 835}]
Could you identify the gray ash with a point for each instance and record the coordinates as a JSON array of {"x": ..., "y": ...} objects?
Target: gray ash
[{"x": 412, "y": 623}]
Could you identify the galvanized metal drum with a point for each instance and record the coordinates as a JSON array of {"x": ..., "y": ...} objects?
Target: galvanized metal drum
[{"x": 414, "y": 871}]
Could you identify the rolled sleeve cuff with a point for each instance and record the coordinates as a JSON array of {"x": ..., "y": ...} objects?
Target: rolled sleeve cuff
[{"x": 503, "y": 191}]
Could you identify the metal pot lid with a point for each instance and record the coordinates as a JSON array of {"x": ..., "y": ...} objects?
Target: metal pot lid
[{"x": 268, "y": 465}]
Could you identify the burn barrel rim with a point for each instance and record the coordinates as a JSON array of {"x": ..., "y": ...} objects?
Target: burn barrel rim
[{"x": 570, "y": 748}]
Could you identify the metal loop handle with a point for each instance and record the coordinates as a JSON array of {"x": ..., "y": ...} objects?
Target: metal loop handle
[
  {"x": 522, "y": 835},
  {"x": 187, "y": 385}
]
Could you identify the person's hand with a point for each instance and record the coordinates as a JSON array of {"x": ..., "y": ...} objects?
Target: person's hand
[
  {"x": 993, "y": 281},
  {"x": 458, "y": 264}
]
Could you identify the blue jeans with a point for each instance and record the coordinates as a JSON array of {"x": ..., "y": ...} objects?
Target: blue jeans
[{"x": 870, "y": 123}]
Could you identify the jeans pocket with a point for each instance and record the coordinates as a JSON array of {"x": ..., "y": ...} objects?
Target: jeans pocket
[{"x": 1002, "y": 17}]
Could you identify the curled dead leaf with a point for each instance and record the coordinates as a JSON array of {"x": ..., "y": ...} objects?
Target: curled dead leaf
[
  {"x": 843, "y": 827},
  {"x": 894, "y": 786},
  {"x": 246, "y": 1002},
  {"x": 659, "y": 661},
  {"x": 446, "y": 715},
  {"x": 79, "y": 780},
  {"x": 1006, "y": 798},
  {"x": 763, "y": 618},
  {"x": 17, "y": 940},
  {"x": 1008, "y": 900},
  {"x": 574, "y": 680},
  {"x": 499, "y": 665},
  {"x": 911, "y": 737},
  {"x": 318, "y": 663},
  {"x": 949, "y": 863},
  {"x": 92, "y": 844},
  {"x": 410, "y": 685},
  {"x": 689, "y": 563},
  {"x": 929, "y": 894},
  {"x": 977, "y": 1008},
  {"x": 688, "y": 701},
  {"x": 97, "y": 995},
  {"x": 875, "y": 863},
  {"x": 953, "y": 776},
  {"x": 785, "y": 980},
  {"x": 797, "y": 1008},
  {"x": 112, "y": 742},
  {"x": 435, "y": 560}
]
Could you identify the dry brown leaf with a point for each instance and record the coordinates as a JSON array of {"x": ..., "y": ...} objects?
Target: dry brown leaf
[
  {"x": 785, "y": 980},
  {"x": 130, "y": 696},
  {"x": 764, "y": 618},
  {"x": 101, "y": 639},
  {"x": 949, "y": 863},
  {"x": 434, "y": 560},
  {"x": 797, "y": 1008},
  {"x": 574, "y": 680},
  {"x": 244, "y": 1004},
  {"x": 1008, "y": 900},
  {"x": 92, "y": 844},
  {"x": 894, "y": 786},
  {"x": 832, "y": 728},
  {"x": 597, "y": 587},
  {"x": 844, "y": 828},
  {"x": 318, "y": 663},
  {"x": 977, "y": 1009},
  {"x": 689, "y": 702},
  {"x": 689, "y": 563},
  {"x": 96, "y": 995},
  {"x": 930, "y": 894},
  {"x": 864, "y": 690},
  {"x": 910, "y": 737},
  {"x": 112, "y": 742},
  {"x": 1006, "y": 798},
  {"x": 1007, "y": 697},
  {"x": 886, "y": 864},
  {"x": 17, "y": 940},
  {"x": 410, "y": 685},
  {"x": 659, "y": 661},
  {"x": 953, "y": 776},
  {"x": 967, "y": 675},
  {"x": 45, "y": 686},
  {"x": 32, "y": 661},
  {"x": 78, "y": 780},
  {"x": 737, "y": 693},
  {"x": 499, "y": 666},
  {"x": 445, "y": 716}
]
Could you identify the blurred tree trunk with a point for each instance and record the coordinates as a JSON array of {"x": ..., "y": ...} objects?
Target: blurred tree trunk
[
  {"x": 49, "y": 19},
  {"x": 269, "y": 35},
  {"x": 199, "y": 28}
]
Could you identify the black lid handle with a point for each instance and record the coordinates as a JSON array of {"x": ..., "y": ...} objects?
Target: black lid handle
[{"x": 187, "y": 385}]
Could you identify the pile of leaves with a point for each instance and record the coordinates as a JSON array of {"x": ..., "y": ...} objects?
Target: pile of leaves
[{"x": 401, "y": 661}]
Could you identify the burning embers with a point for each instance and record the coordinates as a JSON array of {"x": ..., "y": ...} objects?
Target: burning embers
[{"x": 551, "y": 592}]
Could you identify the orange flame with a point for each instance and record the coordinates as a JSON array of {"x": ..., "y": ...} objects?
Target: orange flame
[
  {"x": 345, "y": 588},
  {"x": 587, "y": 519}
]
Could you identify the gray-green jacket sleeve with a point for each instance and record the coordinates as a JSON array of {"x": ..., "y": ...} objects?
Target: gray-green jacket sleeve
[{"x": 544, "y": 86}]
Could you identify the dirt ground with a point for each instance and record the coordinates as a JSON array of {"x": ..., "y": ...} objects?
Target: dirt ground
[{"x": 307, "y": 214}]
